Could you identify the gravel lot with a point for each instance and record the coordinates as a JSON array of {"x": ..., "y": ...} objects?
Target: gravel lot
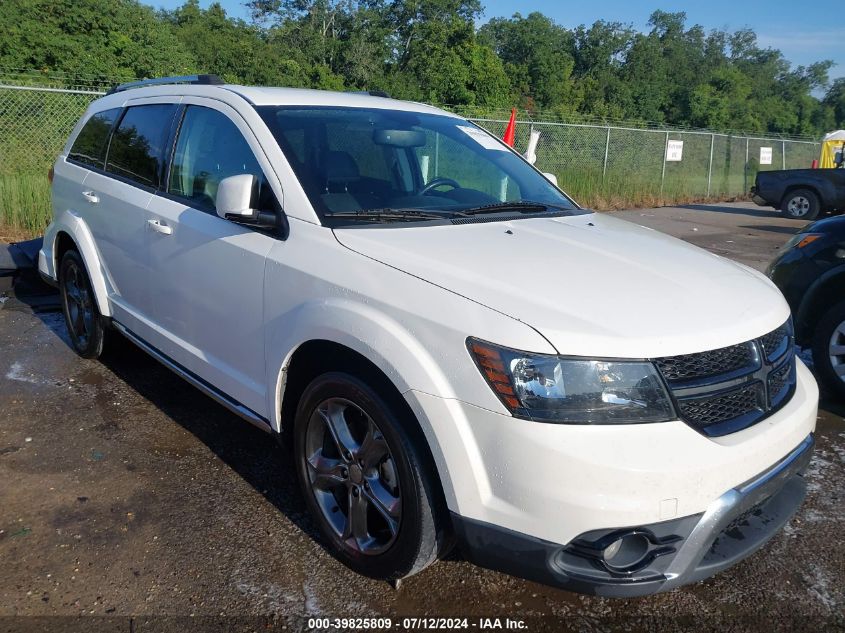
[{"x": 129, "y": 501}]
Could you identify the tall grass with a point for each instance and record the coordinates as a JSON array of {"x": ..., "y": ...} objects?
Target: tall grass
[
  {"x": 25, "y": 208},
  {"x": 613, "y": 191},
  {"x": 25, "y": 204}
]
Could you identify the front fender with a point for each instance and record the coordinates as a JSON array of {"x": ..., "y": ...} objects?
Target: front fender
[
  {"x": 73, "y": 225},
  {"x": 413, "y": 330},
  {"x": 373, "y": 334},
  {"x": 407, "y": 363},
  {"x": 420, "y": 370}
]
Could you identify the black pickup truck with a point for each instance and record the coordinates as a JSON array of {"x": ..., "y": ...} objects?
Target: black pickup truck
[{"x": 801, "y": 193}]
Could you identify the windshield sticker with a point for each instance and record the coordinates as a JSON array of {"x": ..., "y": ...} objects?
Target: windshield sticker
[{"x": 482, "y": 138}]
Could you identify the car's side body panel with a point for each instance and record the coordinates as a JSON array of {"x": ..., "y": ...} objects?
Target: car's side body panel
[
  {"x": 117, "y": 221},
  {"x": 204, "y": 269},
  {"x": 204, "y": 272}
]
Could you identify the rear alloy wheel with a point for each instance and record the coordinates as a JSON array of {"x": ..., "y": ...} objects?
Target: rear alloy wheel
[
  {"x": 82, "y": 317},
  {"x": 363, "y": 479},
  {"x": 829, "y": 349},
  {"x": 801, "y": 204}
]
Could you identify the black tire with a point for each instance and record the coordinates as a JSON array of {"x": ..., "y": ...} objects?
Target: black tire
[
  {"x": 832, "y": 324},
  {"x": 801, "y": 204},
  {"x": 417, "y": 540},
  {"x": 82, "y": 316}
]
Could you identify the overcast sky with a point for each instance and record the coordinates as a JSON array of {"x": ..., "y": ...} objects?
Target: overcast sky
[{"x": 804, "y": 31}]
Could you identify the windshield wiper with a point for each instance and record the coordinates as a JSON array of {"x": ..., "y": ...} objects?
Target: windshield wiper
[
  {"x": 389, "y": 215},
  {"x": 518, "y": 206}
]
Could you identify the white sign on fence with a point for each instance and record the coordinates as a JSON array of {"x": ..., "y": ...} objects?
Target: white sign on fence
[
  {"x": 765, "y": 155},
  {"x": 674, "y": 150}
]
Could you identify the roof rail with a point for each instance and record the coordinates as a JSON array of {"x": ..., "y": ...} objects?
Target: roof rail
[
  {"x": 372, "y": 93},
  {"x": 203, "y": 80}
]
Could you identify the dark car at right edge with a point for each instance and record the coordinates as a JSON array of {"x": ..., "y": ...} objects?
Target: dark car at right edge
[{"x": 810, "y": 272}]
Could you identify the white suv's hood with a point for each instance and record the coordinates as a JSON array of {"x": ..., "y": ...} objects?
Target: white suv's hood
[{"x": 593, "y": 285}]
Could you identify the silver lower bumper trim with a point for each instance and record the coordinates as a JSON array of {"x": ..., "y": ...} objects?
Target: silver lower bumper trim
[{"x": 736, "y": 501}]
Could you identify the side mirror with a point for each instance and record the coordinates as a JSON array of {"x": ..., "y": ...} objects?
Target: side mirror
[
  {"x": 549, "y": 176},
  {"x": 234, "y": 195},
  {"x": 234, "y": 202}
]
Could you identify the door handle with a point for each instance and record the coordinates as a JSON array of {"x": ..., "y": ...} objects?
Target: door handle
[
  {"x": 91, "y": 197},
  {"x": 158, "y": 227}
]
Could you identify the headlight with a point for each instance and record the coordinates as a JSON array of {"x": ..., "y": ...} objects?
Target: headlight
[{"x": 573, "y": 390}]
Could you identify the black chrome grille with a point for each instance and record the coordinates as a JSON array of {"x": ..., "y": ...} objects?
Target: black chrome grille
[
  {"x": 725, "y": 360},
  {"x": 781, "y": 381},
  {"x": 775, "y": 343},
  {"x": 712, "y": 409},
  {"x": 728, "y": 389}
]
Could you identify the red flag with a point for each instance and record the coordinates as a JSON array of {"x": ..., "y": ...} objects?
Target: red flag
[{"x": 510, "y": 131}]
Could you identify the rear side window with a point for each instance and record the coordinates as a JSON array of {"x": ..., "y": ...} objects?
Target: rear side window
[
  {"x": 89, "y": 148},
  {"x": 210, "y": 148},
  {"x": 136, "y": 150}
]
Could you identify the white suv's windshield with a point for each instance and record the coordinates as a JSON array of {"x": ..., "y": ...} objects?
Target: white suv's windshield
[{"x": 392, "y": 165}]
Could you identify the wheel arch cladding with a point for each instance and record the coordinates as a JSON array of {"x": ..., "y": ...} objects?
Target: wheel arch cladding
[
  {"x": 79, "y": 238},
  {"x": 64, "y": 243}
]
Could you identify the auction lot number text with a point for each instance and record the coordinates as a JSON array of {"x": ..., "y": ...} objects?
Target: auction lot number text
[{"x": 416, "y": 624}]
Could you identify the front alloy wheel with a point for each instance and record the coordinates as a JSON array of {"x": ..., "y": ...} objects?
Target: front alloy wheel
[
  {"x": 367, "y": 477},
  {"x": 352, "y": 476}
]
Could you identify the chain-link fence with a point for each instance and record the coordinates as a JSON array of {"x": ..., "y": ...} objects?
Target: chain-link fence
[
  {"x": 611, "y": 166},
  {"x": 35, "y": 122},
  {"x": 605, "y": 166}
]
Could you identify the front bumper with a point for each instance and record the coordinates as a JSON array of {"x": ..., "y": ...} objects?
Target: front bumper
[
  {"x": 557, "y": 481},
  {"x": 734, "y": 526}
]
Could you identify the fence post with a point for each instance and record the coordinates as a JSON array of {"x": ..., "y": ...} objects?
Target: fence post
[
  {"x": 710, "y": 167},
  {"x": 663, "y": 172},
  {"x": 606, "y": 151},
  {"x": 745, "y": 169},
  {"x": 783, "y": 153}
]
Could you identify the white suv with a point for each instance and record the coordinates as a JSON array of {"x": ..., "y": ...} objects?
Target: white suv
[{"x": 454, "y": 348}]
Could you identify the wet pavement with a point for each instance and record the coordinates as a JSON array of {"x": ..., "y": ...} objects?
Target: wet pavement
[{"x": 130, "y": 501}]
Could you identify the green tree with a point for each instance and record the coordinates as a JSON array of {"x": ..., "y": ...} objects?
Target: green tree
[
  {"x": 113, "y": 38},
  {"x": 538, "y": 59},
  {"x": 433, "y": 50},
  {"x": 834, "y": 103},
  {"x": 233, "y": 49},
  {"x": 599, "y": 56}
]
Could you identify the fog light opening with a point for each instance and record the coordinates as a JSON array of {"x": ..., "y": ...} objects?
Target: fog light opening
[{"x": 627, "y": 553}]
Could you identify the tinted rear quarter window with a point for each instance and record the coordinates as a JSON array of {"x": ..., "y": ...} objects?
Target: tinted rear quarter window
[
  {"x": 89, "y": 148},
  {"x": 136, "y": 150}
]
